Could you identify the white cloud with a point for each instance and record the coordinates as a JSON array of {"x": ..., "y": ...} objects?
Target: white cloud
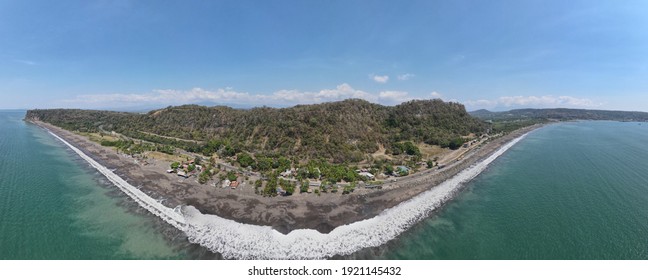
[
  {"x": 481, "y": 103},
  {"x": 227, "y": 95},
  {"x": 405, "y": 77},
  {"x": 380, "y": 79},
  {"x": 394, "y": 97},
  {"x": 287, "y": 97},
  {"x": 341, "y": 92},
  {"x": 165, "y": 96},
  {"x": 546, "y": 101},
  {"x": 284, "y": 97}
]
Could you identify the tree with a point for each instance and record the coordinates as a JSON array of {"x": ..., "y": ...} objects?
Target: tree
[
  {"x": 228, "y": 151},
  {"x": 245, "y": 160},
  {"x": 191, "y": 167},
  {"x": 304, "y": 187},
  {"x": 231, "y": 175},
  {"x": 264, "y": 163},
  {"x": 204, "y": 176},
  {"x": 430, "y": 164},
  {"x": 302, "y": 173},
  {"x": 167, "y": 149},
  {"x": 315, "y": 174},
  {"x": 456, "y": 143},
  {"x": 271, "y": 187},
  {"x": 397, "y": 148},
  {"x": 211, "y": 147},
  {"x": 283, "y": 163},
  {"x": 349, "y": 188},
  {"x": 411, "y": 149},
  {"x": 351, "y": 176},
  {"x": 175, "y": 165},
  {"x": 389, "y": 169},
  {"x": 289, "y": 187}
]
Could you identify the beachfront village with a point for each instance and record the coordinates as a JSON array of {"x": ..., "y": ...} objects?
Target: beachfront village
[{"x": 226, "y": 169}]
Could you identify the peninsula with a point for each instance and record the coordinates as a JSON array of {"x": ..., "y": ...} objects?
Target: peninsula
[{"x": 310, "y": 166}]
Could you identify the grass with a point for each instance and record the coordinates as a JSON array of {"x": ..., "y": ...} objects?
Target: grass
[
  {"x": 430, "y": 151},
  {"x": 96, "y": 137},
  {"x": 166, "y": 157}
]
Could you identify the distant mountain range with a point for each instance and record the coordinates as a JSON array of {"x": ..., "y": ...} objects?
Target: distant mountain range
[{"x": 560, "y": 114}]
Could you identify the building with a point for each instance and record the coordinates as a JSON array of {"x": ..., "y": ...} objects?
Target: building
[
  {"x": 367, "y": 174},
  {"x": 402, "y": 168},
  {"x": 286, "y": 173},
  {"x": 234, "y": 184},
  {"x": 226, "y": 183}
]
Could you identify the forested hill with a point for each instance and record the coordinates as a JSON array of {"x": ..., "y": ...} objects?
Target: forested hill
[
  {"x": 339, "y": 131},
  {"x": 561, "y": 114}
]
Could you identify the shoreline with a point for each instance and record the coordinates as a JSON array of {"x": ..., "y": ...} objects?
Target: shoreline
[
  {"x": 284, "y": 214},
  {"x": 233, "y": 239}
]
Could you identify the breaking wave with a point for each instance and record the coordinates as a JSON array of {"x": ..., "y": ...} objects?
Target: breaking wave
[
  {"x": 244, "y": 241},
  {"x": 172, "y": 216}
]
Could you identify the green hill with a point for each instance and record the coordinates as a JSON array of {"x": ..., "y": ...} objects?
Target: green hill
[{"x": 344, "y": 131}]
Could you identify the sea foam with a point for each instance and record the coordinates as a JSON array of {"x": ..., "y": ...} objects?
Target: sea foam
[{"x": 244, "y": 241}]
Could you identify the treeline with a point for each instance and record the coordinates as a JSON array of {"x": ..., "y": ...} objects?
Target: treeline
[
  {"x": 507, "y": 121},
  {"x": 561, "y": 114},
  {"x": 345, "y": 131}
]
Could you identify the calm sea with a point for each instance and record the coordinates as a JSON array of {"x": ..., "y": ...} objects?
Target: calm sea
[
  {"x": 54, "y": 206},
  {"x": 568, "y": 191}
]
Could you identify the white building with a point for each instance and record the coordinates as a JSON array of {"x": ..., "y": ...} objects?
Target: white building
[
  {"x": 367, "y": 174},
  {"x": 226, "y": 183}
]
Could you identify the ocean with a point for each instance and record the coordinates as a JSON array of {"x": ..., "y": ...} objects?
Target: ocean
[
  {"x": 54, "y": 206},
  {"x": 575, "y": 190},
  {"x": 567, "y": 191}
]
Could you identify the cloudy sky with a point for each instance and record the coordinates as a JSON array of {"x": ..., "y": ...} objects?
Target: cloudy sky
[{"x": 495, "y": 54}]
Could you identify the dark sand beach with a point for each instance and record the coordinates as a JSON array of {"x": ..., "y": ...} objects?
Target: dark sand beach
[{"x": 299, "y": 211}]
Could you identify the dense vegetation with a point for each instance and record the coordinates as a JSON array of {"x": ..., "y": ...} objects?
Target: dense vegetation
[
  {"x": 345, "y": 131},
  {"x": 561, "y": 115},
  {"x": 514, "y": 119}
]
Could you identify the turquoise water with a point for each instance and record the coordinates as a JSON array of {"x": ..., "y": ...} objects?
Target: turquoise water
[
  {"x": 568, "y": 191},
  {"x": 53, "y": 206}
]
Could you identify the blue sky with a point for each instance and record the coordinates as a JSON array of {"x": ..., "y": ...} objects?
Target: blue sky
[{"x": 494, "y": 54}]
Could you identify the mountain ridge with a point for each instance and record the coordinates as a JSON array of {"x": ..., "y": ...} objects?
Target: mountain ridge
[{"x": 342, "y": 131}]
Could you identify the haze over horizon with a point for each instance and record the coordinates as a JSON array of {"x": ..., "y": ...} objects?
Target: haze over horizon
[{"x": 496, "y": 55}]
